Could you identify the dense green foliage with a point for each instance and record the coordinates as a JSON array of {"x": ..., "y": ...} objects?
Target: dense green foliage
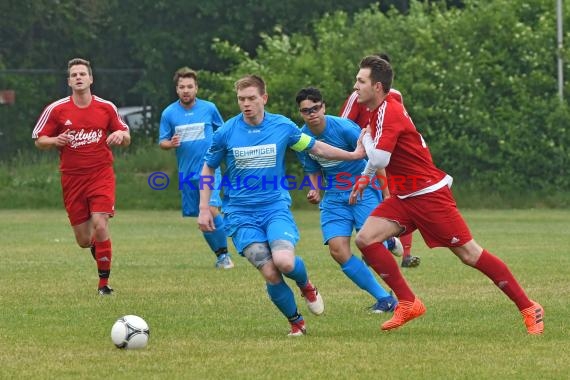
[
  {"x": 480, "y": 81},
  {"x": 134, "y": 45}
]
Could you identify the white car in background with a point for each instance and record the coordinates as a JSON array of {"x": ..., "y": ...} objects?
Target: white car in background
[{"x": 136, "y": 117}]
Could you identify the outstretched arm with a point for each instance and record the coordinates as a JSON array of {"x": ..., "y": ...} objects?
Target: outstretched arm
[{"x": 330, "y": 152}]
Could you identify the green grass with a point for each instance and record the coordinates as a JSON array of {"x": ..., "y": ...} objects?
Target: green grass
[{"x": 209, "y": 324}]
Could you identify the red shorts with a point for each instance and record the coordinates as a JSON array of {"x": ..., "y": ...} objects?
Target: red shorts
[
  {"x": 435, "y": 215},
  {"x": 89, "y": 193}
]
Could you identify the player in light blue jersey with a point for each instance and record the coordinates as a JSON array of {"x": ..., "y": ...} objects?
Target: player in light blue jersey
[
  {"x": 188, "y": 125},
  {"x": 338, "y": 217},
  {"x": 256, "y": 199}
]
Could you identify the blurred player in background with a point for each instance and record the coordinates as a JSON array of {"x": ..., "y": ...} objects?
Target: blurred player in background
[
  {"x": 187, "y": 125},
  {"x": 83, "y": 127},
  {"x": 423, "y": 201},
  {"x": 338, "y": 218},
  {"x": 360, "y": 114},
  {"x": 253, "y": 145}
]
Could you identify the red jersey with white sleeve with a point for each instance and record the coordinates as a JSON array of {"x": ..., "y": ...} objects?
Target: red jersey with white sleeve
[
  {"x": 411, "y": 168},
  {"x": 358, "y": 112},
  {"x": 89, "y": 127}
]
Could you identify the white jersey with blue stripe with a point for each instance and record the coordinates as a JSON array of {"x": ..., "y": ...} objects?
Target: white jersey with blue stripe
[
  {"x": 196, "y": 127},
  {"x": 338, "y": 175},
  {"x": 255, "y": 173}
]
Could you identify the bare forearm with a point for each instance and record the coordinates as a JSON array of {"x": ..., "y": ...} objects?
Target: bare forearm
[
  {"x": 45, "y": 142},
  {"x": 327, "y": 151},
  {"x": 119, "y": 138},
  {"x": 126, "y": 139},
  {"x": 174, "y": 142},
  {"x": 166, "y": 145},
  {"x": 383, "y": 179},
  {"x": 314, "y": 178},
  {"x": 206, "y": 191}
]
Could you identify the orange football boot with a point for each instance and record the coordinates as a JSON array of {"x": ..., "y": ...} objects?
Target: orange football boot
[
  {"x": 534, "y": 319},
  {"x": 405, "y": 312}
]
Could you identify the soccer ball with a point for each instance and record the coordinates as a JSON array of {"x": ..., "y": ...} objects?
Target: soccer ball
[{"x": 130, "y": 332}]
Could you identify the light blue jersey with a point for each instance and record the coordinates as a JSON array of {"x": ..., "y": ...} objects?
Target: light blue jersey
[
  {"x": 255, "y": 176},
  {"x": 196, "y": 127},
  {"x": 338, "y": 217},
  {"x": 339, "y": 176}
]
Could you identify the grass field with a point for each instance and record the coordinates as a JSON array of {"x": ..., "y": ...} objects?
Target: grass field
[{"x": 210, "y": 324}]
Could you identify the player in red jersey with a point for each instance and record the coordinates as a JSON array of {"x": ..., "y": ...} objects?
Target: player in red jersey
[
  {"x": 83, "y": 127},
  {"x": 421, "y": 199},
  {"x": 360, "y": 114}
]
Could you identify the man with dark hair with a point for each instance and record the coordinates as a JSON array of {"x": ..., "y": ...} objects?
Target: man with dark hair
[
  {"x": 338, "y": 217},
  {"x": 360, "y": 114},
  {"x": 187, "y": 125},
  {"x": 422, "y": 201}
]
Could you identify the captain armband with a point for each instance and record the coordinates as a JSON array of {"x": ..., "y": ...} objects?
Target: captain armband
[{"x": 303, "y": 143}]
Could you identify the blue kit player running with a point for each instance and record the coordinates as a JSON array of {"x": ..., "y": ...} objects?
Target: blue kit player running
[
  {"x": 338, "y": 217},
  {"x": 253, "y": 145},
  {"x": 187, "y": 125}
]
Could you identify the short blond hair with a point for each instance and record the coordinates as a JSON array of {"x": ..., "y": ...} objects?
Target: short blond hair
[{"x": 251, "y": 81}]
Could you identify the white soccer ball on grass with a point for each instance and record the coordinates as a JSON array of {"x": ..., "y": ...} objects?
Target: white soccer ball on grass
[{"x": 130, "y": 332}]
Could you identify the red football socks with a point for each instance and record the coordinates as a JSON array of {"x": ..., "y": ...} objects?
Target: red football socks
[
  {"x": 103, "y": 256},
  {"x": 499, "y": 273},
  {"x": 383, "y": 263},
  {"x": 407, "y": 243}
]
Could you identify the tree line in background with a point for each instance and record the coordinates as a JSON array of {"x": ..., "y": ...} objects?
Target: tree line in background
[
  {"x": 134, "y": 46},
  {"x": 478, "y": 78}
]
